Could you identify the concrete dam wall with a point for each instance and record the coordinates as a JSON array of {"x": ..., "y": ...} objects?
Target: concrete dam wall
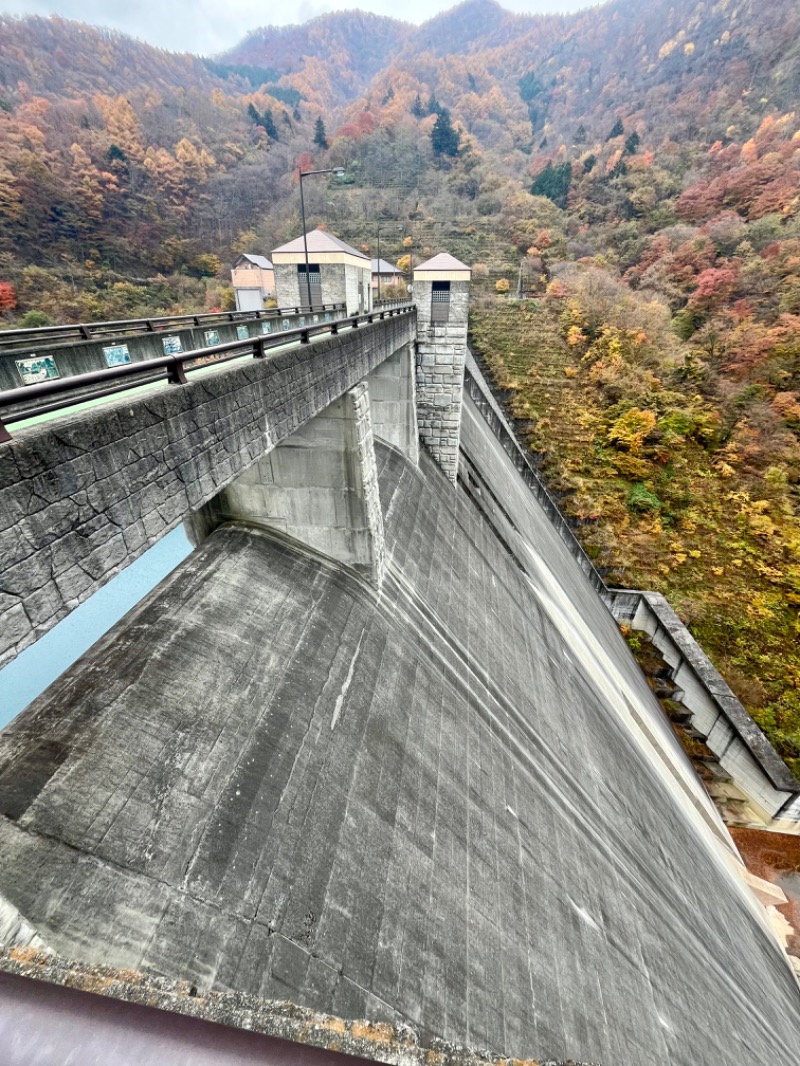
[
  {"x": 373, "y": 769},
  {"x": 451, "y": 802},
  {"x": 83, "y": 497}
]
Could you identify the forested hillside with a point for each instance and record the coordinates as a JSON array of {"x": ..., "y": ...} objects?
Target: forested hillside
[{"x": 634, "y": 169}]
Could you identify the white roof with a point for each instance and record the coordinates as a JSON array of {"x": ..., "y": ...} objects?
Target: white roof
[
  {"x": 319, "y": 240},
  {"x": 257, "y": 260},
  {"x": 381, "y": 266},
  {"x": 444, "y": 262}
]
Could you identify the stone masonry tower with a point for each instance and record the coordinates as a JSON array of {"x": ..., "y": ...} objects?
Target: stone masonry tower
[{"x": 441, "y": 293}]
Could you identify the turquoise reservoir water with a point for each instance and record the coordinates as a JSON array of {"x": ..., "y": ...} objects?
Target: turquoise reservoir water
[{"x": 39, "y": 665}]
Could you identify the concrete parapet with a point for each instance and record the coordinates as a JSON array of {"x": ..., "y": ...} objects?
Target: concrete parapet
[
  {"x": 481, "y": 395},
  {"x": 738, "y": 743},
  {"x": 98, "y": 353},
  {"x": 78, "y": 1008}
]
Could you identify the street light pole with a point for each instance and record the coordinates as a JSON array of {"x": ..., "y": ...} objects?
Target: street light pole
[
  {"x": 308, "y": 174},
  {"x": 379, "y": 264}
]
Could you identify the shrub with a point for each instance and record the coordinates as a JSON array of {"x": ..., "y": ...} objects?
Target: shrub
[
  {"x": 33, "y": 320},
  {"x": 641, "y": 499},
  {"x": 629, "y": 431},
  {"x": 678, "y": 422}
]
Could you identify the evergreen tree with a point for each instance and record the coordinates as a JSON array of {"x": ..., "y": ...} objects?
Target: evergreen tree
[
  {"x": 319, "y": 133},
  {"x": 632, "y": 143},
  {"x": 265, "y": 121},
  {"x": 621, "y": 168},
  {"x": 417, "y": 108},
  {"x": 580, "y": 135},
  {"x": 617, "y": 131},
  {"x": 434, "y": 107},
  {"x": 444, "y": 138},
  {"x": 529, "y": 86},
  {"x": 588, "y": 163},
  {"x": 553, "y": 182}
]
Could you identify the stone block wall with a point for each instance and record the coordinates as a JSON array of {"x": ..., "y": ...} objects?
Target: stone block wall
[
  {"x": 334, "y": 286},
  {"x": 287, "y": 285},
  {"x": 339, "y": 284},
  {"x": 441, "y": 356}
]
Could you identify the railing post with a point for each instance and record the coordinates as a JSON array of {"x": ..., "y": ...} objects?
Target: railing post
[
  {"x": 304, "y": 338},
  {"x": 5, "y": 436},
  {"x": 177, "y": 375}
]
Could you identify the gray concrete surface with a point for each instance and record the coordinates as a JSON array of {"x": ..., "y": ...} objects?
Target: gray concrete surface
[
  {"x": 451, "y": 804},
  {"x": 393, "y": 402},
  {"x": 319, "y": 486},
  {"x": 84, "y": 495},
  {"x": 491, "y": 412}
]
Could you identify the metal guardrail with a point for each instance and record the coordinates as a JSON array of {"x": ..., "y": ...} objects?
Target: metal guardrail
[
  {"x": 173, "y": 367},
  {"x": 20, "y": 340}
]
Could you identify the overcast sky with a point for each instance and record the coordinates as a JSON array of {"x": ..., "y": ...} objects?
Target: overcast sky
[{"x": 208, "y": 26}]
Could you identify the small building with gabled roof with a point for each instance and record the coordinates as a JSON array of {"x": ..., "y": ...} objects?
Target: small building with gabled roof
[
  {"x": 440, "y": 283},
  {"x": 337, "y": 273},
  {"x": 253, "y": 281},
  {"x": 442, "y": 267}
]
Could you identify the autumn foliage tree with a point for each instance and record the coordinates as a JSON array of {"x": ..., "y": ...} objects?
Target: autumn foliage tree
[{"x": 8, "y": 297}]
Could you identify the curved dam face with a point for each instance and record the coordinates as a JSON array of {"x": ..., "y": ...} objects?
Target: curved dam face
[{"x": 451, "y": 803}]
